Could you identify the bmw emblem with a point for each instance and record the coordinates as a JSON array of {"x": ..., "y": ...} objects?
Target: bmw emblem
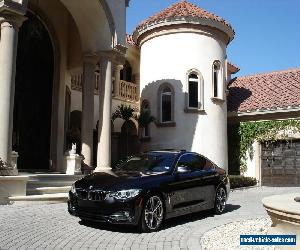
[{"x": 91, "y": 187}]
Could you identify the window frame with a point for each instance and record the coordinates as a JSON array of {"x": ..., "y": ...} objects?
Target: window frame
[
  {"x": 162, "y": 123},
  {"x": 200, "y": 88},
  {"x": 220, "y": 81}
]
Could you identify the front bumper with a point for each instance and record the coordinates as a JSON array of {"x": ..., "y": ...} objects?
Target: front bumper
[{"x": 109, "y": 210}]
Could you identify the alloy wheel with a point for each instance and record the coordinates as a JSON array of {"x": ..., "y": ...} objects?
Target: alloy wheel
[
  {"x": 154, "y": 212},
  {"x": 220, "y": 202}
]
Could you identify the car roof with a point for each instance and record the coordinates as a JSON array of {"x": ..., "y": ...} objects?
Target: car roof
[{"x": 174, "y": 151}]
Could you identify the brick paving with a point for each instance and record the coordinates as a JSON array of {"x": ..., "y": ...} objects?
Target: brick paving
[{"x": 51, "y": 227}]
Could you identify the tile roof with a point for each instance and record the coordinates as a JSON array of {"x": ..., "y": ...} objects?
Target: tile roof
[
  {"x": 274, "y": 90},
  {"x": 232, "y": 68},
  {"x": 182, "y": 9},
  {"x": 129, "y": 40}
]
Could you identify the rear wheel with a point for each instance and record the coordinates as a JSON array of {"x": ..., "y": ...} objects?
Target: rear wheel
[
  {"x": 152, "y": 214},
  {"x": 220, "y": 200}
]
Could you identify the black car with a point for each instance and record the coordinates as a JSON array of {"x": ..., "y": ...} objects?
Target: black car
[{"x": 151, "y": 187}]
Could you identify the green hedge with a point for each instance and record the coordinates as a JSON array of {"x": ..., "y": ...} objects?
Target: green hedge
[{"x": 238, "y": 181}]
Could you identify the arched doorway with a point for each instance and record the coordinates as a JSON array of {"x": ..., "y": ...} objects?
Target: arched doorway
[
  {"x": 33, "y": 95},
  {"x": 128, "y": 142}
]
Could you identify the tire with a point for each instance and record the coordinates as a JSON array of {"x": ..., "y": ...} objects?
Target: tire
[
  {"x": 152, "y": 214},
  {"x": 220, "y": 200}
]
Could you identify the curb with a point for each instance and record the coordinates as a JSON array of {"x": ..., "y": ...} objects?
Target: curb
[{"x": 243, "y": 188}]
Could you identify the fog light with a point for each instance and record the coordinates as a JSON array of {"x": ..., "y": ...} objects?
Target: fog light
[{"x": 121, "y": 216}]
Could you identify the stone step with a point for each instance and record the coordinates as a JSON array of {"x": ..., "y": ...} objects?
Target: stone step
[
  {"x": 54, "y": 183},
  {"x": 50, "y": 177},
  {"x": 51, "y": 180},
  {"x": 47, "y": 190},
  {"x": 39, "y": 199}
]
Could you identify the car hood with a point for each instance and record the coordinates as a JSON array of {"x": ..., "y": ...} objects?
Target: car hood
[{"x": 115, "y": 180}]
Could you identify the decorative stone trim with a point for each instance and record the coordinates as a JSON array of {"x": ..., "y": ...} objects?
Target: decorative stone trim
[
  {"x": 18, "y": 7},
  {"x": 7, "y": 169},
  {"x": 194, "y": 111},
  {"x": 216, "y": 99},
  {"x": 147, "y": 29}
]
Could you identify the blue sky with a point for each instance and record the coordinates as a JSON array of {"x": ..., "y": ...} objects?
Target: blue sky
[{"x": 267, "y": 31}]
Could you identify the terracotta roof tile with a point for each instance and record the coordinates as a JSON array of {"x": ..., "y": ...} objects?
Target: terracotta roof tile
[
  {"x": 129, "y": 40},
  {"x": 182, "y": 9},
  {"x": 280, "y": 89},
  {"x": 232, "y": 68}
]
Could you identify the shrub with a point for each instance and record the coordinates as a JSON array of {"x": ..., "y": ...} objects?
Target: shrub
[{"x": 238, "y": 181}]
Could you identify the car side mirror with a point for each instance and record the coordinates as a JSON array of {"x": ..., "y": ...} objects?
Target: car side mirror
[{"x": 183, "y": 169}]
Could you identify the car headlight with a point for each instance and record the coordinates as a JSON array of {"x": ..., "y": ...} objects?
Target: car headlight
[
  {"x": 73, "y": 189},
  {"x": 125, "y": 194}
]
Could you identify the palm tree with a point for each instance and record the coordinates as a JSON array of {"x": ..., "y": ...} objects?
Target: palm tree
[
  {"x": 144, "y": 118},
  {"x": 125, "y": 112}
]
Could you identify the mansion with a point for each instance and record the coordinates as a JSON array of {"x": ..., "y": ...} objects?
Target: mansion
[{"x": 66, "y": 66}]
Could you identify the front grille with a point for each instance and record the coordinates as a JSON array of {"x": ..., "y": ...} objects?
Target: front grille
[{"x": 91, "y": 195}]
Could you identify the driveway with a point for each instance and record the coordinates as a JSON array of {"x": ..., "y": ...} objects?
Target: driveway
[{"x": 51, "y": 227}]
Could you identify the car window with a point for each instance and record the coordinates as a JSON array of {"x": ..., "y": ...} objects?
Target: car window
[
  {"x": 208, "y": 165},
  {"x": 150, "y": 162},
  {"x": 191, "y": 162}
]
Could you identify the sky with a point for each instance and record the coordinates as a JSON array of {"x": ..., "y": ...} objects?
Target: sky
[{"x": 267, "y": 31}]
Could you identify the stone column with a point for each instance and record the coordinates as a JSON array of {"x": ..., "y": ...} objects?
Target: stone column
[
  {"x": 8, "y": 56},
  {"x": 87, "y": 124},
  {"x": 118, "y": 68},
  {"x": 104, "y": 133}
]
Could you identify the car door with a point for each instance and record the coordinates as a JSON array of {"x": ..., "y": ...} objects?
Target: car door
[
  {"x": 187, "y": 182},
  {"x": 209, "y": 181}
]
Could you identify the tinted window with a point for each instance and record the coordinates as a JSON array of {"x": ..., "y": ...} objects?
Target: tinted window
[
  {"x": 195, "y": 162},
  {"x": 192, "y": 162},
  {"x": 150, "y": 162},
  {"x": 208, "y": 165}
]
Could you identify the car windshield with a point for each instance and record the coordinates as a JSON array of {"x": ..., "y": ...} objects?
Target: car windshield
[{"x": 150, "y": 162}]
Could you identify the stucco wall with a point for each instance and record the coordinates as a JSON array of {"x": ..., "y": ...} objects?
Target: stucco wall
[
  {"x": 167, "y": 58},
  {"x": 118, "y": 10}
]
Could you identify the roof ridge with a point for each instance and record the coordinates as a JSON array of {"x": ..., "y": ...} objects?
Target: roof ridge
[
  {"x": 182, "y": 8},
  {"x": 269, "y": 73}
]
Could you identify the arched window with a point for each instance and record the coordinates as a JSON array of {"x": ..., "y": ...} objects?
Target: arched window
[
  {"x": 195, "y": 89},
  {"x": 145, "y": 108},
  {"x": 217, "y": 80},
  {"x": 166, "y": 103}
]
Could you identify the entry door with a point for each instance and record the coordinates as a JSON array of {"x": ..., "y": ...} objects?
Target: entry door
[
  {"x": 33, "y": 95},
  {"x": 280, "y": 163}
]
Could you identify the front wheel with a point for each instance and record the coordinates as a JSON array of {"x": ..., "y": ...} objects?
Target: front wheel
[
  {"x": 152, "y": 214},
  {"x": 220, "y": 200}
]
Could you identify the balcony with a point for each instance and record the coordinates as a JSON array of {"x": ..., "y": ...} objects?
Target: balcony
[
  {"x": 76, "y": 82},
  {"x": 125, "y": 91}
]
